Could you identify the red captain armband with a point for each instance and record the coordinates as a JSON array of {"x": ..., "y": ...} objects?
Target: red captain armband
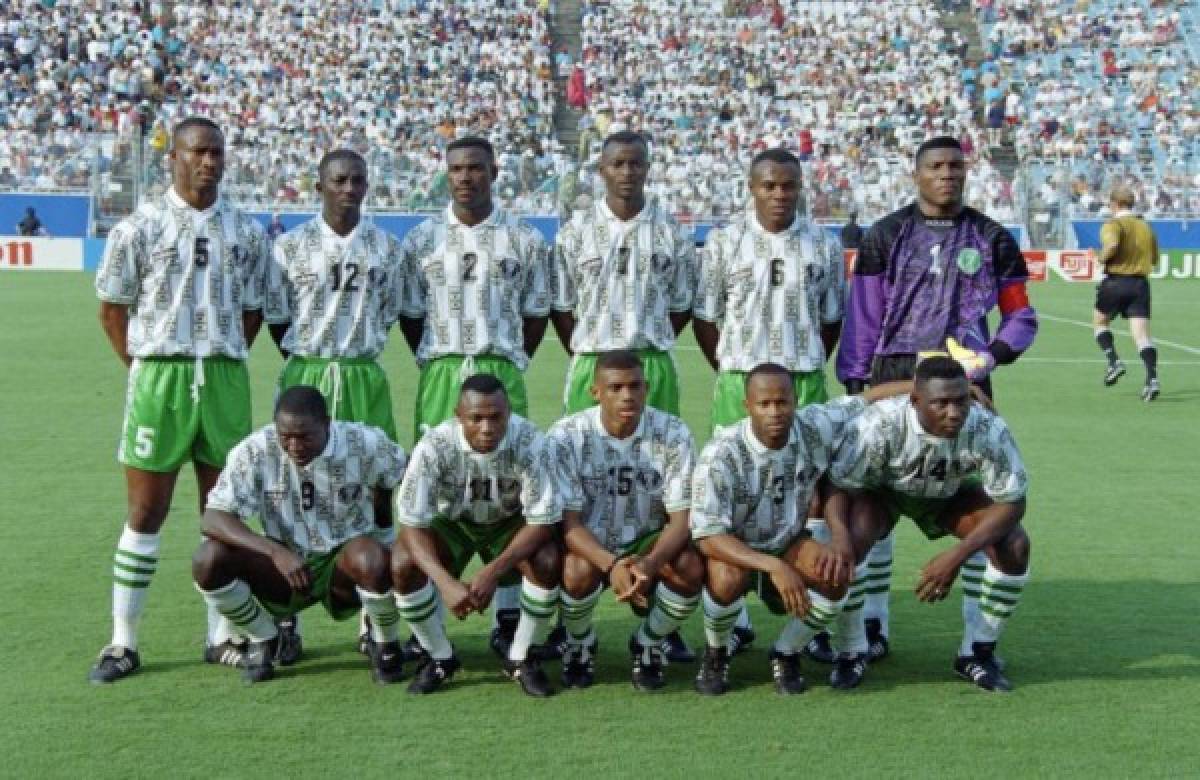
[{"x": 1013, "y": 298}]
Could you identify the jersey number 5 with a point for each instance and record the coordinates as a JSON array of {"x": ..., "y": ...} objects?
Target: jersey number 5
[{"x": 624, "y": 480}]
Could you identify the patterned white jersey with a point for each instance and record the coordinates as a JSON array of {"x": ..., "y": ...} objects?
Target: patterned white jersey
[
  {"x": 186, "y": 275},
  {"x": 761, "y": 495},
  {"x": 313, "y": 508},
  {"x": 624, "y": 488},
  {"x": 338, "y": 294},
  {"x": 446, "y": 478},
  {"x": 622, "y": 279},
  {"x": 474, "y": 285},
  {"x": 886, "y": 447},
  {"x": 770, "y": 293}
]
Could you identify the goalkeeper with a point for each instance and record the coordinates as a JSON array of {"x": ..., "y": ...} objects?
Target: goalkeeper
[{"x": 925, "y": 279}]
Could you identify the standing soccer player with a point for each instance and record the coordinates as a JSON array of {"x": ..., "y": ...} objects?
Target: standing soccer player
[
  {"x": 320, "y": 487},
  {"x": 480, "y": 483},
  {"x": 334, "y": 289},
  {"x": 771, "y": 289},
  {"x": 181, "y": 288},
  {"x": 1128, "y": 252},
  {"x": 623, "y": 278},
  {"x": 925, "y": 279},
  {"x": 624, "y": 472},
  {"x": 954, "y": 468}
]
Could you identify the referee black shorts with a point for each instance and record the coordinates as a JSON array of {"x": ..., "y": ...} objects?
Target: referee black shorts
[{"x": 1128, "y": 296}]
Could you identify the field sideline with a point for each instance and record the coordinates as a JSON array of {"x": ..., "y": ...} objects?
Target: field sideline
[{"x": 1103, "y": 650}]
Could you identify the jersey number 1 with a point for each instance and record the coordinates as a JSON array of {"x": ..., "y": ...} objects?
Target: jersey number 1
[{"x": 345, "y": 280}]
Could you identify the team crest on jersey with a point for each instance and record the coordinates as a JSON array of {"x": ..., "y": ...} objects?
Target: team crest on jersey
[
  {"x": 649, "y": 479},
  {"x": 660, "y": 262},
  {"x": 969, "y": 261},
  {"x": 509, "y": 267},
  {"x": 276, "y": 498},
  {"x": 350, "y": 494}
]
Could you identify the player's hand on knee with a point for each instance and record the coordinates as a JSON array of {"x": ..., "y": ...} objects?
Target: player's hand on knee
[
  {"x": 937, "y": 576},
  {"x": 293, "y": 569},
  {"x": 834, "y": 566},
  {"x": 791, "y": 589}
]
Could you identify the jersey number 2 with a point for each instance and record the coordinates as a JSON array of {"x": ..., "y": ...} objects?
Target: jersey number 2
[{"x": 345, "y": 280}]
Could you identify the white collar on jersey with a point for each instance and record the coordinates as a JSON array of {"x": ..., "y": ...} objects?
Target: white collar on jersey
[
  {"x": 756, "y": 446},
  {"x": 914, "y": 422},
  {"x": 466, "y": 447},
  {"x": 331, "y": 233},
  {"x": 179, "y": 203},
  {"x": 638, "y": 432},
  {"x": 646, "y": 214},
  {"x": 492, "y": 220},
  {"x": 797, "y": 225}
]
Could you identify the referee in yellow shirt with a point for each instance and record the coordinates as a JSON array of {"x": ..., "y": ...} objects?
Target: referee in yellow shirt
[{"x": 1128, "y": 252}]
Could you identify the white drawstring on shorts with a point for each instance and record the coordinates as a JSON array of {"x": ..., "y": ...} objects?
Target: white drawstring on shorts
[
  {"x": 331, "y": 385},
  {"x": 197, "y": 380}
]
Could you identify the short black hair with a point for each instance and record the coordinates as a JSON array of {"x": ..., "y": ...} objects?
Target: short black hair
[
  {"x": 624, "y": 137},
  {"x": 472, "y": 142},
  {"x": 938, "y": 367},
  {"x": 302, "y": 401},
  {"x": 195, "y": 121},
  {"x": 483, "y": 384},
  {"x": 767, "y": 369},
  {"x": 619, "y": 360},
  {"x": 338, "y": 154},
  {"x": 937, "y": 142},
  {"x": 776, "y": 155}
]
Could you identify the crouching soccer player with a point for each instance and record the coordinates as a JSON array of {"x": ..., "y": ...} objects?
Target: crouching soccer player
[
  {"x": 319, "y": 487},
  {"x": 624, "y": 471},
  {"x": 480, "y": 483},
  {"x": 953, "y": 467}
]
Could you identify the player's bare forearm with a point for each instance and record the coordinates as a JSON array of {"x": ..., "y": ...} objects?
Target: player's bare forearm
[
  {"x": 114, "y": 319},
  {"x": 707, "y": 336},
  {"x": 278, "y": 331},
  {"x": 229, "y": 529},
  {"x": 830, "y": 333},
  {"x": 580, "y": 541},
  {"x": 422, "y": 546},
  {"x": 252, "y": 320},
  {"x": 524, "y": 544},
  {"x": 670, "y": 544},
  {"x": 837, "y": 515},
  {"x": 412, "y": 328},
  {"x": 995, "y": 522},
  {"x": 564, "y": 326},
  {"x": 382, "y": 503},
  {"x": 887, "y": 390},
  {"x": 727, "y": 548},
  {"x": 679, "y": 320},
  {"x": 533, "y": 330}
]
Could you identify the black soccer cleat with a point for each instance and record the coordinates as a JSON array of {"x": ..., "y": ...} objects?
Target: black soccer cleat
[
  {"x": 877, "y": 642},
  {"x": 785, "y": 670},
  {"x": 1151, "y": 390},
  {"x": 387, "y": 662},
  {"x": 288, "y": 645},
  {"x": 579, "y": 665},
  {"x": 741, "y": 640},
  {"x": 228, "y": 653},
  {"x": 257, "y": 666},
  {"x": 554, "y": 646},
  {"x": 981, "y": 669},
  {"x": 501, "y": 638},
  {"x": 1114, "y": 372},
  {"x": 848, "y": 672},
  {"x": 115, "y": 662},
  {"x": 649, "y": 665},
  {"x": 433, "y": 674},
  {"x": 819, "y": 649},
  {"x": 530, "y": 676},
  {"x": 677, "y": 650},
  {"x": 712, "y": 679}
]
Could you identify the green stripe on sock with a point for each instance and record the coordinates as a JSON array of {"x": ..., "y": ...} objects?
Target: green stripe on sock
[
  {"x": 853, "y": 607},
  {"x": 1004, "y": 614},
  {"x": 137, "y": 557},
  {"x": 130, "y": 583},
  {"x": 880, "y": 565},
  {"x": 1006, "y": 588},
  {"x": 416, "y": 616},
  {"x": 988, "y": 596},
  {"x": 879, "y": 589},
  {"x": 132, "y": 569}
]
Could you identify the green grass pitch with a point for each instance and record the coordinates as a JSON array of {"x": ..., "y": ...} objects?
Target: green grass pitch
[{"x": 1103, "y": 649}]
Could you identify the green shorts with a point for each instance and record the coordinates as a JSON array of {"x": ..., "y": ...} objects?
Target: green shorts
[
  {"x": 662, "y": 381},
  {"x": 464, "y": 540},
  {"x": 360, "y": 386},
  {"x": 321, "y": 566},
  {"x": 729, "y": 395},
  {"x": 164, "y": 427},
  {"x": 927, "y": 513},
  {"x": 441, "y": 378},
  {"x": 760, "y": 582},
  {"x": 641, "y": 545}
]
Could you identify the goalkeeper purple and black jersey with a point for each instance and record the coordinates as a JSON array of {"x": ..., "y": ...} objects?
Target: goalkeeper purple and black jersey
[{"x": 918, "y": 281}]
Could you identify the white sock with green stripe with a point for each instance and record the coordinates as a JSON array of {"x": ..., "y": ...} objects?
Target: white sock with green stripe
[
  {"x": 236, "y": 602},
  {"x": 848, "y": 635},
  {"x": 719, "y": 620},
  {"x": 669, "y": 611},
  {"x": 134, "y": 564},
  {"x": 385, "y": 618},
  {"x": 577, "y": 616},
  {"x": 797, "y": 631},
  {"x": 420, "y": 610},
  {"x": 990, "y": 597},
  {"x": 879, "y": 581},
  {"x": 538, "y": 608}
]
